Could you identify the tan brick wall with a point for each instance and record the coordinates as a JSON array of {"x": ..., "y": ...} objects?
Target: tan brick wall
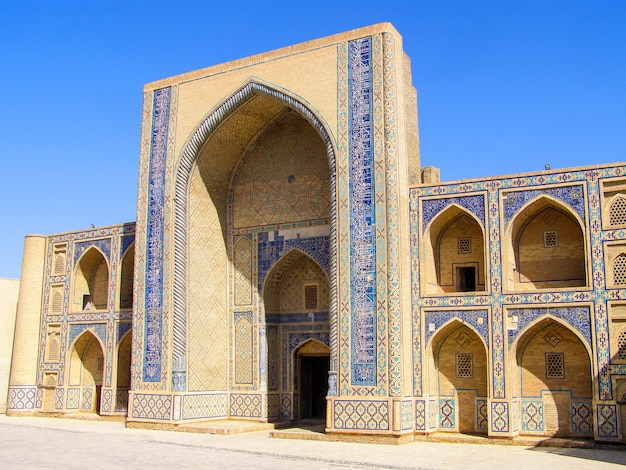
[
  {"x": 539, "y": 266},
  {"x": 9, "y": 289}
]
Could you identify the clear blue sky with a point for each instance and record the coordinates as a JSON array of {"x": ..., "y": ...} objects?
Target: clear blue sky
[{"x": 504, "y": 87}]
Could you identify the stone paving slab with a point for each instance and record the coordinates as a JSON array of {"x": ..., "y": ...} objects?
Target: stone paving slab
[{"x": 35, "y": 442}]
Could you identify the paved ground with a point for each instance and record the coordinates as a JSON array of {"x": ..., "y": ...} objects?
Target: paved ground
[{"x": 66, "y": 443}]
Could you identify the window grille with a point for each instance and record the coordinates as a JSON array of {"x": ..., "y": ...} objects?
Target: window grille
[
  {"x": 619, "y": 269},
  {"x": 617, "y": 212},
  {"x": 621, "y": 346},
  {"x": 550, "y": 239},
  {"x": 464, "y": 365},
  {"x": 57, "y": 302},
  {"x": 554, "y": 366},
  {"x": 54, "y": 349},
  {"x": 59, "y": 263},
  {"x": 310, "y": 297},
  {"x": 465, "y": 245}
]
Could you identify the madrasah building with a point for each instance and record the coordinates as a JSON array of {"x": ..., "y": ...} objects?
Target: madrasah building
[{"x": 291, "y": 259}]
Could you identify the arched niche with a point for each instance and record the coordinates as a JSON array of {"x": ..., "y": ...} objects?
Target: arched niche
[
  {"x": 454, "y": 253},
  {"x": 86, "y": 370},
  {"x": 553, "y": 378},
  {"x": 457, "y": 375},
  {"x": 127, "y": 269},
  {"x": 91, "y": 282},
  {"x": 122, "y": 372},
  {"x": 544, "y": 248},
  {"x": 220, "y": 188}
]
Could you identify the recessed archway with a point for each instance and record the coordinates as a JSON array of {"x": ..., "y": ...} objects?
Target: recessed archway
[
  {"x": 91, "y": 282},
  {"x": 296, "y": 299},
  {"x": 87, "y": 371},
  {"x": 313, "y": 362},
  {"x": 206, "y": 211},
  {"x": 555, "y": 380},
  {"x": 458, "y": 377},
  {"x": 545, "y": 248},
  {"x": 454, "y": 253}
]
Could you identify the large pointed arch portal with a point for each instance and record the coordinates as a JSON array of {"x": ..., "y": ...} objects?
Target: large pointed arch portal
[{"x": 181, "y": 206}]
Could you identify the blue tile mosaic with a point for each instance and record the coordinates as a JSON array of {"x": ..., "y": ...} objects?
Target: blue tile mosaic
[
  {"x": 362, "y": 214},
  {"x": 154, "y": 242},
  {"x": 432, "y": 207},
  {"x": 572, "y": 196},
  {"x": 99, "y": 329},
  {"x": 478, "y": 319},
  {"x": 103, "y": 244},
  {"x": 578, "y": 317}
]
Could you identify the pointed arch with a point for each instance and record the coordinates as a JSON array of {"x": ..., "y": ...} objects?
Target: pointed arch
[
  {"x": 127, "y": 269},
  {"x": 211, "y": 202},
  {"x": 284, "y": 289},
  {"x": 617, "y": 211},
  {"x": 457, "y": 374},
  {"x": 454, "y": 252},
  {"x": 554, "y": 378},
  {"x": 91, "y": 281},
  {"x": 545, "y": 247},
  {"x": 87, "y": 365}
]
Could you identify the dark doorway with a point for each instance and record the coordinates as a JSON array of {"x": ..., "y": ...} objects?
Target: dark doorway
[
  {"x": 313, "y": 386},
  {"x": 466, "y": 278}
]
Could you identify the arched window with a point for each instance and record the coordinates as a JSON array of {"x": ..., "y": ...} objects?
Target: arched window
[
  {"x": 617, "y": 212},
  {"x": 621, "y": 346},
  {"x": 59, "y": 263},
  {"x": 619, "y": 269}
]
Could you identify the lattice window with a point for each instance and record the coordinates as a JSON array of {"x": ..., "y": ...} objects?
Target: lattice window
[
  {"x": 57, "y": 302},
  {"x": 464, "y": 365},
  {"x": 54, "y": 348},
  {"x": 465, "y": 245},
  {"x": 621, "y": 346},
  {"x": 59, "y": 263},
  {"x": 310, "y": 297},
  {"x": 619, "y": 269},
  {"x": 554, "y": 366},
  {"x": 617, "y": 212},
  {"x": 550, "y": 238}
]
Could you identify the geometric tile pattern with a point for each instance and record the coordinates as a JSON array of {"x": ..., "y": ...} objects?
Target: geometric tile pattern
[
  {"x": 273, "y": 405},
  {"x": 243, "y": 271},
  {"x": 73, "y": 398},
  {"x": 532, "y": 416},
  {"x": 21, "y": 398},
  {"x": 286, "y": 406},
  {"x": 206, "y": 332},
  {"x": 87, "y": 402},
  {"x": 420, "y": 415},
  {"x": 106, "y": 403},
  {"x": 245, "y": 405},
  {"x": 500, "y": 417},
  {"x": 149, "y": 406},
  {"x": 432, "y": 207},
  {"x": 154, "y": 243},
  {"x": 407, "y": 415},
  {"x": 103, "y": 244},
  {"x": 582, "y": 417},
  {"x": 572, "y": 196},
  {"x": 243, "y": 351},
  {"x": 447, "y": 413},
  {"x": 205, "y": 406},
  {"x": 606, "y": 416},
  {"x": 579, "y": 318},
  {"x": 362, "y": 216},
  {"x": 372, "y": 415},
  {"x": 482, "y": 415}
]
